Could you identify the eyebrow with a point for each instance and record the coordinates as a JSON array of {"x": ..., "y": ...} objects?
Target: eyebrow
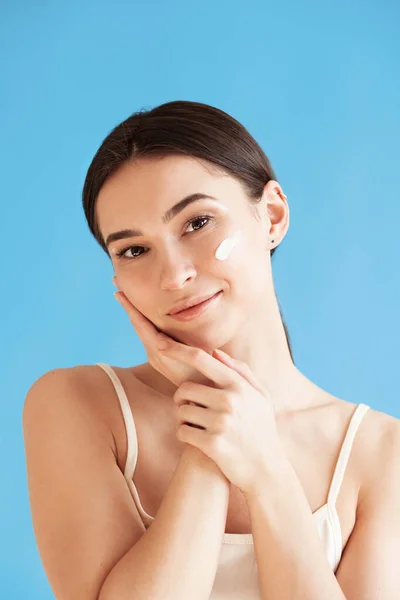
[{"x": 169, "y": 215}]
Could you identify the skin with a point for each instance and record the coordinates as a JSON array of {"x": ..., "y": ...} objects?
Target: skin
[
  {"x": 178, "y": 260},
  {"x": 246, "y": 324}
]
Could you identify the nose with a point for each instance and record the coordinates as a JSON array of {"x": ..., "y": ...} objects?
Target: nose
[{"x": 176, "y": 270}]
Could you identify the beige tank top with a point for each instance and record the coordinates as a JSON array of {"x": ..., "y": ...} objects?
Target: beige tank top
[{"x": 236, "y": 577}]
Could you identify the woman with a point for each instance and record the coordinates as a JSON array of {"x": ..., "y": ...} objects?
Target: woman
[{"x": 216, "y": 469}]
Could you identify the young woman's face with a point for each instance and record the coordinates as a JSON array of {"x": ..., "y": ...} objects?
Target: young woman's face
[{"x": 165, "y": 263}]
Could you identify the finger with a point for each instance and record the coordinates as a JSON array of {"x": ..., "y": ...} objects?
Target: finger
[
  {"x": 199, "y": 438},
  {"x": 133, "y": 312},
  {"x": 198, "y": 394},
  {"x": 240, "y": 367},
  {"x": 136, "y": 317},
  {"x": 145, "y": 329},
  {"x": 194, "y": 415},
  {"x": 209, "y": 366}
]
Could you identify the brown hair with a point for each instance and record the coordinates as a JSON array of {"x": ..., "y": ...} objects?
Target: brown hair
[{"x": 180, "y": 127}]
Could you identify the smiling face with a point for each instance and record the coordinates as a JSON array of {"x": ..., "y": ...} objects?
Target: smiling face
[{"x": 173, "y": 258}]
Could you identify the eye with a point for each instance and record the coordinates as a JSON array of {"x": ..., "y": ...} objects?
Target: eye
[
  {"x": 120, "y": 254},
  {"x": 199, "y": 219}
]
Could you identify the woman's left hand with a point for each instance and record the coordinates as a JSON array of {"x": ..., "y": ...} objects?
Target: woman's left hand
[{"x": 237, "y": 418}]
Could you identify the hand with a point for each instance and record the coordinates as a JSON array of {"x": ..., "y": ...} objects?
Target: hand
[
  {"x": 174, "y": 369},
  {"x": 236, "y": 418}
]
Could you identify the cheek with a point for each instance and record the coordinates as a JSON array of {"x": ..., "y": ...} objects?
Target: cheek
[
  {"x": 242, "y": 261},
  {"x": 233, "y": 253},
  {"x": 228, "y": 245},
  {"x": 138, "y": 290}
]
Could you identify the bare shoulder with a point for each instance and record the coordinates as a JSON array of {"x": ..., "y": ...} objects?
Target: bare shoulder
[
  {"x": 82, "y": 387},
  {"x": 376, "y": 430},
  {"x": 90, "y": 390},
  {"x": 368, "y": 567},
  {"x": 378, "y": 433},
  {"x": 78, "y": 494},
  {"x": 379, "y": 450},
  {"x": 375, "y": 445}
]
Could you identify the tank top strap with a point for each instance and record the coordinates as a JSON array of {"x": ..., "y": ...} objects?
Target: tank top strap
[
  {"x": 345, "y": 453},
  {"x": 132, "y": 453}
]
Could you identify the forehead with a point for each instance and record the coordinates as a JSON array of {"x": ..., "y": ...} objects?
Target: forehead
[{"x": 142, "y": 190}]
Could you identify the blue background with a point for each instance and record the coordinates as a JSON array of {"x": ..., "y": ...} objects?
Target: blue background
[{"x": 316, "y": 84}]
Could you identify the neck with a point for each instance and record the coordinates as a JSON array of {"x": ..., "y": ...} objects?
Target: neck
[{"x": 262, "y": 344}]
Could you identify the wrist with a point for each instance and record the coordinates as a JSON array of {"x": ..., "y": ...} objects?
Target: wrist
[
  {"x": 269, "y": 478},
  {"x": 198, "y": 460}
]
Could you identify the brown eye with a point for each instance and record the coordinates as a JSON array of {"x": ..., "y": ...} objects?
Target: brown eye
[
  {"x": 121, "y": 253},
  {"x": 201, "y": 218}
]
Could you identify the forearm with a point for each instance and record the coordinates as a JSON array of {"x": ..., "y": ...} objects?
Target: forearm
[
  {"x": 177, "y": 557},
  {"x": 290, "y": 557}
]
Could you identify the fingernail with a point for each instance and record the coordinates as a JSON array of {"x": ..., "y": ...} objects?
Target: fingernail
[{"x": 116, "y": 295}]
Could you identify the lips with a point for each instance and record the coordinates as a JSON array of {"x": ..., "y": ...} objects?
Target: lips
[
  {"x": 190, "y": 303},
  {"x": 196, "y": 311}
]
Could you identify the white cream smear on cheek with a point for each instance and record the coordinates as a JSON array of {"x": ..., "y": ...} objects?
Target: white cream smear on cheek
[{"x": 226, "y": 246}]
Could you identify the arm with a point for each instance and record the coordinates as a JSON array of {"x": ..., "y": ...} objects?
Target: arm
[
  {"x": 177, "y": 557},
  {"x": 369, "y": 568},
  {"x": 281, "y": 519},
  {"x": 91, "y": 540},
  {"x": 297, "y": 568}
]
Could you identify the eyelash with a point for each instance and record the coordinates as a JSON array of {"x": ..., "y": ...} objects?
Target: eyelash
[{"x": 120, "y": 253}]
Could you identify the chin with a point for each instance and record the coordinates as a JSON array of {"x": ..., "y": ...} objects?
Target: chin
[{"x": 207, "y": 336}]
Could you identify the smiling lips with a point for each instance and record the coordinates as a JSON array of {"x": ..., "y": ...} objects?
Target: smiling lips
[
  {"x": 189, "y": 303},
  {"x": 196, "y": 310}
]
